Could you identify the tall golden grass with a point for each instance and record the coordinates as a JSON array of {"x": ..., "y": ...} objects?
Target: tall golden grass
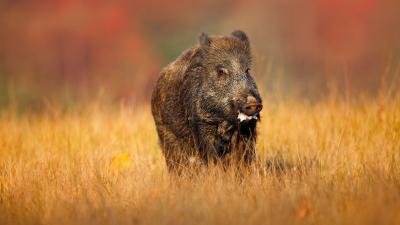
[{"x": 333, "y": 162}]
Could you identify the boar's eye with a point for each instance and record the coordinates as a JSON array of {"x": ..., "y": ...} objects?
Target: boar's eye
[
  {"x": 248, "y": 71},
  {"x": 222, "y": 71}
]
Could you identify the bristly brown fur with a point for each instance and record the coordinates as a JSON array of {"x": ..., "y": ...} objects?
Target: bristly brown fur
[{"x": 195, "y": 107}]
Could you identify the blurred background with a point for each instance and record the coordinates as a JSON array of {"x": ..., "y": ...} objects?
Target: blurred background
[{"x": 72, "y": 50}]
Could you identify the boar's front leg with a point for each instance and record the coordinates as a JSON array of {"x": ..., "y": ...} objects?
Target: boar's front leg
[
  {"x": 243, "y": 143},
  {"x": 211, "y": 146}
]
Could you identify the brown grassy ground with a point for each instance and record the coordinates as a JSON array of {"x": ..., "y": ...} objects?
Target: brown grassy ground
[{"x": 328, "y": 163}]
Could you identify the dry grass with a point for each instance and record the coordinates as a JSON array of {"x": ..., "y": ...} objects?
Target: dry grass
[{"x": 329, "y": 163}]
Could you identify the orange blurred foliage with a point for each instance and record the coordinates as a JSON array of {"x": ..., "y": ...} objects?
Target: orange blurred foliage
[{"x": 118, "y": 47}]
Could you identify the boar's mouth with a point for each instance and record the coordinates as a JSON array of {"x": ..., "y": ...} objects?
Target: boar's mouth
[{"x": 242, "y": 117}]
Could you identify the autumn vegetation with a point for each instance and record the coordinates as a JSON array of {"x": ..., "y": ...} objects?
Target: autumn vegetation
[{"x": 333, "y": 162}]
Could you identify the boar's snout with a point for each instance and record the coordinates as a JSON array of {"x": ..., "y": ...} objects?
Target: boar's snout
[{"x": 252, "y": 106}]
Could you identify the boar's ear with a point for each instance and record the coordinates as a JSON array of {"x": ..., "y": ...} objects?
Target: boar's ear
[
  {"x": 205, "y": 40},
  {"x": 241, "y": 36}
]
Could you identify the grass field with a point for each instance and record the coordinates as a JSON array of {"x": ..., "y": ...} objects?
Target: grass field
[{"x": 333, "y": 162}]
